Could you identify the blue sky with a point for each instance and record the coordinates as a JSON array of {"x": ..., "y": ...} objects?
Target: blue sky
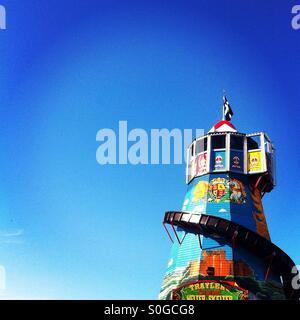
[{"x": 70, "y": 228}]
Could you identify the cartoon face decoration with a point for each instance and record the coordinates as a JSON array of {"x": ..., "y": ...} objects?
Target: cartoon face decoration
[
  {"x": 237, "y": 191},
  {"x": 254, "y": 162},
  {"x": 201, "y": 164},
  {"x": 200, "y": 191}
]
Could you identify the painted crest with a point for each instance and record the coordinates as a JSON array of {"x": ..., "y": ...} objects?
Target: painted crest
[
  {"x": 218, "y": 188},
  {"x": 210, "y": 290}
]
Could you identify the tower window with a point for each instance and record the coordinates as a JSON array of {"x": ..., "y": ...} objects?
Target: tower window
[
  {"x": 201, "y": 145},
  {"x": 192, "y": 150},
  {"x": 218, "y": 141},
  {"x": 253, "y": 143},
  {"x": 236, "y": 142}
]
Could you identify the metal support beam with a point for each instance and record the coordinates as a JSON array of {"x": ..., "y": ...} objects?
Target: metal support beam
[
  {"x": 180, "y": 242},
  {"x": 200, "y": 242},
  {"x": 164, "y": 224}
]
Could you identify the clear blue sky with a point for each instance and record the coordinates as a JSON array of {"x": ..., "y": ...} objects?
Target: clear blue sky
[{"x": 70, "y": 228}]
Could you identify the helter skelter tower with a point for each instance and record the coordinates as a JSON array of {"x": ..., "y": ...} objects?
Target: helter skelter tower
[{"x": 221, "y": 248}]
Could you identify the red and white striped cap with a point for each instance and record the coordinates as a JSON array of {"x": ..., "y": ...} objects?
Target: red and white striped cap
[{"x": 223, "y": 126}]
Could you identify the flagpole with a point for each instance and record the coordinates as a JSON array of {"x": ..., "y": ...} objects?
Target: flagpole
[{"x": 224, "y": 95}]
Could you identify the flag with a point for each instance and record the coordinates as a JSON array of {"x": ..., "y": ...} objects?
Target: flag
[{"x": 227, "y": 111}]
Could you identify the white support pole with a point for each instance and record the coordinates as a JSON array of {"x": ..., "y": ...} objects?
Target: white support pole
[
  {"x": 208, "y": 155},
  {"x": 187, "y": 165},
  {"x": 263, "y": 152},
  {"x": 245, "y": 155},
  {"x": 227, "y": 151}
]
